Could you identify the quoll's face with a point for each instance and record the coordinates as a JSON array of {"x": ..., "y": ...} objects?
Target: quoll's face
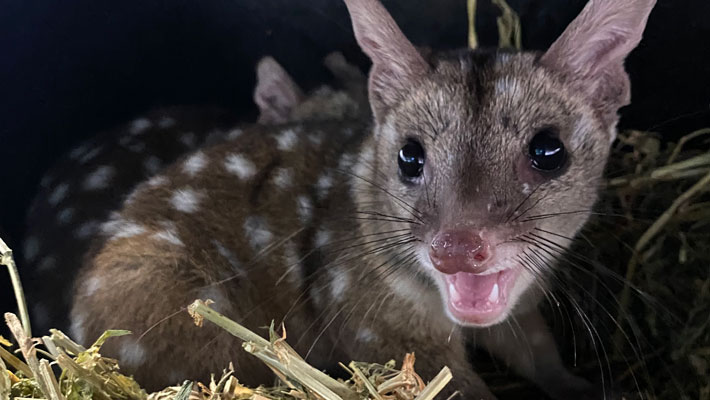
[{"x": 501, "y": 162}]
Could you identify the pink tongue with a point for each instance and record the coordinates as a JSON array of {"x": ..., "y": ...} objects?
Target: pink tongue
[{"x": 474, "y": 287}]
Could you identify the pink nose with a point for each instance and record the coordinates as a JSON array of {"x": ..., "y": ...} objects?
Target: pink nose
[{"x": 459, "y": 251}]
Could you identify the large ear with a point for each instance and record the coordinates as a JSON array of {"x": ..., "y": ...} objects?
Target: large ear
[
  {"x": 276, "y": 94},
  {"x": 396, "y": 63},
  {"x": 592, "y": 49}
]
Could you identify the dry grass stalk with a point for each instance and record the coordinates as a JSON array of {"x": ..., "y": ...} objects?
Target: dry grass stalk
[
  {"x": 471, "y": 12},
  {"x": 372, "y": 382},
  {"x": 509, "y": 28},
  {"x": 8, "y": 260},
  {"x": 675, "y": 171}
]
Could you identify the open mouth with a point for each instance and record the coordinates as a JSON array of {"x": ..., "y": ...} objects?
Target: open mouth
[{"x": 479, "y": 299}]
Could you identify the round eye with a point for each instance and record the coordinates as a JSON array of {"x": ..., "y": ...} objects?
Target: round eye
[
  {"x": 547, "y": 151},
  {"x": 411, "y": 160}
]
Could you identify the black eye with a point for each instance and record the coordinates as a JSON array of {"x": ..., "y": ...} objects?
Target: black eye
[
  {"x": 547, "y": 151},
  {"x": 411, "y": 160}
]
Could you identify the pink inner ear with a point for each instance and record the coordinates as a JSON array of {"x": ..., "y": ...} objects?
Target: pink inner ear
[
  {"x": 592, "y": 49},
  {"x": 276, "y": 94},
  {"x": 381, "y": 39},
  {"x": 397, "y": 64},
  {"x": 600, "y": 37}
]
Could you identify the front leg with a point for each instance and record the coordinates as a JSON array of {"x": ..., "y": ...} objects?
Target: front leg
[{"x": 527, "y": 346}]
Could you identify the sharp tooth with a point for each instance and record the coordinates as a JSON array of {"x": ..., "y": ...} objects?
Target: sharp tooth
[
  {"x": 493, "y": 297},
  {"x": 455, "y": 297}
]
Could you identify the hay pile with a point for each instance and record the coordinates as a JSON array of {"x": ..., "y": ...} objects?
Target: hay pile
[
  {"x": 656, "y": 236},
  {"x": 84, "y": 374},
  {"x": 56, "y": 368}
]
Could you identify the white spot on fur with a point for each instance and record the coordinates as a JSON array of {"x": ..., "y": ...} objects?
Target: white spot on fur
[
  {"x": 305, "y": 209},
  {"x": 292, "y": 260},
  {"x": 139, "y": 126},
  {"x": 157, "y": 180},
  {"x": 119, "y": 228},
  {"x": 90, "y": 155},
  {"x": 186, "y": 200},
  {"x": 129, "y": 229},
  {"x": 283, "y": 178},
  {"x": 78, "y": 151},
  {"x": 322, "y": 238},
  {"x": 527, "y": 189},
  {"x": 286, "y": 140},
  {"x": 325, "y": 182},
  {"x": 234, "y": 133},
  {"x": 339, "y": 282},
  {"x": 91, "y": 285},
  {"x": 152, "y": 165},
  {"x": 366, "y": 335},
  {"x": 240, "y": 166},
  {"x": 132, "y": 353},
  {"x": 257, "y": 232},
  {"x": 58, "y": 194},
  {"x": 86, "y": 229},
  {"x": 65, "y": 216},
  {"x": 99, "y": 179},
  {"x": 404, "y": 288},
  {"x": 229, "y": 256},
  {"x": 76, "y": 328},
  {"x": 169, "y": 235},
  {"x": 188, "y": 139},
  {"x": 31, "y": 248},
  {"x": 194, "y": 164},
  {"x": 166, "y": 122},
  {"x": 47, "y": 263}
]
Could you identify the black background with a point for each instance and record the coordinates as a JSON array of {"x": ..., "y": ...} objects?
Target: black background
[{"x": 70, "y": 69}]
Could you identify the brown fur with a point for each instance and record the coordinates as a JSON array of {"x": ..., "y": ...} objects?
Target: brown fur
[
  {"x": 350, "y": 277},
  {"x": 66, "y": 214}
]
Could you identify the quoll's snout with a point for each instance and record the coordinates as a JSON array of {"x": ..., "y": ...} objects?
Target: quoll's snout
[{"x": 453, "y": 251}]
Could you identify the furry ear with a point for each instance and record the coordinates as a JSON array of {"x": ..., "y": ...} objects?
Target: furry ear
[
  {"x": 396, "y": 63},
  {"x": 276, "y": 94},
  {"x": 592, "y": 49}
]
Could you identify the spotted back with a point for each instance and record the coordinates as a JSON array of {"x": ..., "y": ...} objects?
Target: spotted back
[{"x": 77, "y": 196}]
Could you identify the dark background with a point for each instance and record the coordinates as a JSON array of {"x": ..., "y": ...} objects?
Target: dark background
[{"x": 71, "y": 69}]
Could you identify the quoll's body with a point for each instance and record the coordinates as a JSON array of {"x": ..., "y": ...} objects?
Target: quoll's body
[
  {"x": 370, "y": 240},
  {"x": 79, "y": 193}
]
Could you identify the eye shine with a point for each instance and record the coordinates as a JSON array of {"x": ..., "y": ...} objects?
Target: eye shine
[
  {"x": 411, "y": 160},
  {"x": 547, "y": 152}
]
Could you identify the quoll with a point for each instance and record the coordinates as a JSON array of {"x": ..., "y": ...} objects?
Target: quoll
[
  {"x": 416, "y": 231},
  {"x": 78, "y": 194}
]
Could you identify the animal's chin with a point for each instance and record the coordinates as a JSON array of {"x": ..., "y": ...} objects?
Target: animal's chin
[{"x": 479, "y": 300}]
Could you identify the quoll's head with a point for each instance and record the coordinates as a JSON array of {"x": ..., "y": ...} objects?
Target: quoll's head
[{"x": 494, "y": 158}]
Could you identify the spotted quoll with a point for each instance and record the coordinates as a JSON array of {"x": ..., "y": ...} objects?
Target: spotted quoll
[
  {"x": 78, "y": 194},
  {"x": 416, "y": 231}
]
